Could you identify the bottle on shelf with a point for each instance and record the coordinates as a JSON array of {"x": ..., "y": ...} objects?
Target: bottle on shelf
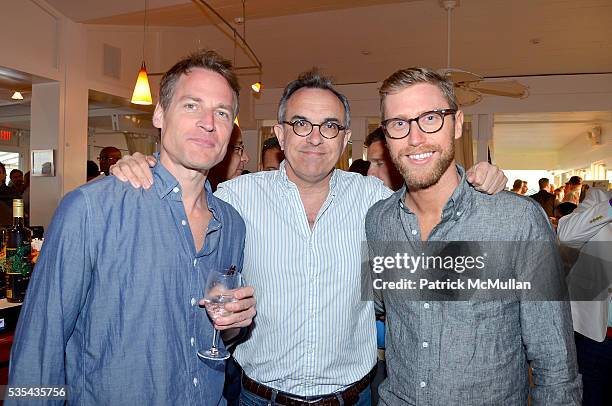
[{"x": 18, "y": 264}]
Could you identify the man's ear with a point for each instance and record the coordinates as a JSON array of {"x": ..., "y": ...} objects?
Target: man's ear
[
  {"x": 280, "y": 135},
  {"x": 158, "y": 117},
  {"x": 347, "y": 137},
  {"x": 458, "y": 124}
]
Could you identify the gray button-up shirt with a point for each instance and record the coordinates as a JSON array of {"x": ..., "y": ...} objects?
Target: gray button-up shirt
[{"x": 476, "y": 352}]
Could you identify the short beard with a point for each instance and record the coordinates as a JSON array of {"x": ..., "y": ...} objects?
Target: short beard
[{"x": 432, "y": 177}]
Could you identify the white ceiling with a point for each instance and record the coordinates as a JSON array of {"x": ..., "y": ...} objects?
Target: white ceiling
[
  {"x": 190, "y": 13},
  {"x": 543, "y": 132},
  {"x": 490, "y": 37}
]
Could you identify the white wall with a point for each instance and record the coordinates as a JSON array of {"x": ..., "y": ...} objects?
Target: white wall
[{"x": 580, "y": 153}]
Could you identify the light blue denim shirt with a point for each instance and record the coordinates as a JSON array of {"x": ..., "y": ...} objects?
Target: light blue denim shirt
[{"x": 112, "y": 308}]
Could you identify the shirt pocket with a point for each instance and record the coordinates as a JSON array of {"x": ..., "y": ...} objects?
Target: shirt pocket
[{"x": 481, "y": 334}]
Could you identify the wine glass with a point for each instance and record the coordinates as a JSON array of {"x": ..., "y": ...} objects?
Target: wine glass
[{"x": 219, "y": 291}]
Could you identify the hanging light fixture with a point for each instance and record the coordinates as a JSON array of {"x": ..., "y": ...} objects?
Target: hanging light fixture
[
  {"x": 142, "y": 90},
  {"x": 256, "y": 87},
  {"x": 17, "y": 95},
  {"x": 240, "y": 40}
]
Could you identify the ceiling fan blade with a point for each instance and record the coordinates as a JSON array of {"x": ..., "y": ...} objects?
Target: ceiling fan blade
[
  {"x": 466, "y": 96},
  {"x": 507, "y": 88},
  {"x": 460, "y": 76}
]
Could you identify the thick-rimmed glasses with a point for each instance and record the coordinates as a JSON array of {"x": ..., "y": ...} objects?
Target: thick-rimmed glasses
[
  {"x": 238, "y": 149},
  {"x": 303, "y": 128},
  {"x": 429, "y": 122}
]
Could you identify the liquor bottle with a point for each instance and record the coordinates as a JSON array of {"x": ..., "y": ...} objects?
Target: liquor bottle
[{"x": 19, "y": 267}]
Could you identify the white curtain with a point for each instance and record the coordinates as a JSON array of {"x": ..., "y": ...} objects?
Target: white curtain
[{"x": 143, "y": 143}]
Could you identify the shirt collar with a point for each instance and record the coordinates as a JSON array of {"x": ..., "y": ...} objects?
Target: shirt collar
[
  {"x": 456, "y": 205},
  {"x": 163, "y": 181},
  {"x": 166, "y": 184},
  {"x": 283, "y": 179}
]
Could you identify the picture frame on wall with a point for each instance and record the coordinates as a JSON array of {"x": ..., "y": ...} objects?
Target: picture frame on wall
[{"x": 43, "y": 162}]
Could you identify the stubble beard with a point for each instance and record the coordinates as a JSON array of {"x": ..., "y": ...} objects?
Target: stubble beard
[{"x": 426, "y": 179}]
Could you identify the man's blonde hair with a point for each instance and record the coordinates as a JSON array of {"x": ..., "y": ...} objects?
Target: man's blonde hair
[{"x": 411, "y": 76}]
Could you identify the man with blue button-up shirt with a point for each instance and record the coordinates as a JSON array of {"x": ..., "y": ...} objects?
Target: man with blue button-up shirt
[
  {"x": 461, "y": 352},
  {"x": 112, "y": 309}
]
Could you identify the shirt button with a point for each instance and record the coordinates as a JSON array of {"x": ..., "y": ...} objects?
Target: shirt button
[
  {"x": 458, "y": 213},
  {"x": 192, "y": 341},
  {"x": 425, "y": 344},
  {"x": 423, "y": 384},
  {"x": 195, "y": 381},
  {"x": 193, "y": 301},
  {"x": 183, "y": 222},
  {"x": 176, "y": 190},
  {"x": 414, "y": 232},
  {"x": 195, "y": 262},
  {"x": 426, "y": 305}
]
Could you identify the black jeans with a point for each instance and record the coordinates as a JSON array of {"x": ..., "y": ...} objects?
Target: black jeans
[
  {"x": 233, "y": 385},
  {"x": 595, "y": 366}
]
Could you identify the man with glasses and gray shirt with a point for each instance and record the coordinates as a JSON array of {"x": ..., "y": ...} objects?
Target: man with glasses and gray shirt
[
  {"x": 314, "y": 339},
  {"x": 461, "y": 352}
]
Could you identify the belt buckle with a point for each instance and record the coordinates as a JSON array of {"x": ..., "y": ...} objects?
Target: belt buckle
[
  {"x": 309, "y": 401},
  {"x": 314, "y": 401}
]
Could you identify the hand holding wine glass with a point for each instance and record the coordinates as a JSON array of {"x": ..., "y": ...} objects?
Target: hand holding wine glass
[{"x": 219, "y": 290}]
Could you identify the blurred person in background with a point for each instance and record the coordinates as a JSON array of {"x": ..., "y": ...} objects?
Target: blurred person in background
[
  {"x": 583, "y": 191},
  {"x": 589, "y": 229},
  {"x": 573, "y": 188},
  {"x": 559, "y": 194},
  {"x": 381, "y": 165},
  {"x": 233, "y": 163},
  {"x": 271, "y": 155},
  {"x": 16, "y": 181},
  {"x": 360, "y": 166},
  {"x": 108, "y": 157},
  {"x": 7, "y": 194},
  {"x": 517, "y": 186},
  {"x": 93, "y": 171},
  {"x": 544, "y": 198}
]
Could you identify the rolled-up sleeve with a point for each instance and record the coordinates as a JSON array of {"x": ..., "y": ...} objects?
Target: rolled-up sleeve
[{"x": 56, "y": 294}]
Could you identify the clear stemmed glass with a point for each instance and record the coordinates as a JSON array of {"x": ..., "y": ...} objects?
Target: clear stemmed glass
[{"x": 220, "y": 285}]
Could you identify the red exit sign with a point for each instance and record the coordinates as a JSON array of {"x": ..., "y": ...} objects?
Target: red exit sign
[{"x": 6, "y": 135}]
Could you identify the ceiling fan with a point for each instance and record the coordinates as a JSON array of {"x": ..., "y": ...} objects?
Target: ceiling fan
[{"x": 469, "y": 87}]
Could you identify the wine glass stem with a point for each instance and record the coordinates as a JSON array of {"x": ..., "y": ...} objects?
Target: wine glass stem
[{"x": 214, "y": 342}]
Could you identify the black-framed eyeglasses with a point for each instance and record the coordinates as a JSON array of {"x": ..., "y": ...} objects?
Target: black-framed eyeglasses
[
  {"x": 303, "y": 128},
  {"x": 108, "y": 159},
  {"x": 429, "y": 122},
  {"x": 237, "y": 148}
]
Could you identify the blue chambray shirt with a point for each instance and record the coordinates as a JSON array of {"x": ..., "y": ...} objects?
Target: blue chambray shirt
[{"x": 112, "y": 308}]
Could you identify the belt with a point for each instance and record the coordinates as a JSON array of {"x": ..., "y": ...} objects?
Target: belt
[
  {"x": 349, "y": 396},
  {"x": 609, "y": 332}
]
